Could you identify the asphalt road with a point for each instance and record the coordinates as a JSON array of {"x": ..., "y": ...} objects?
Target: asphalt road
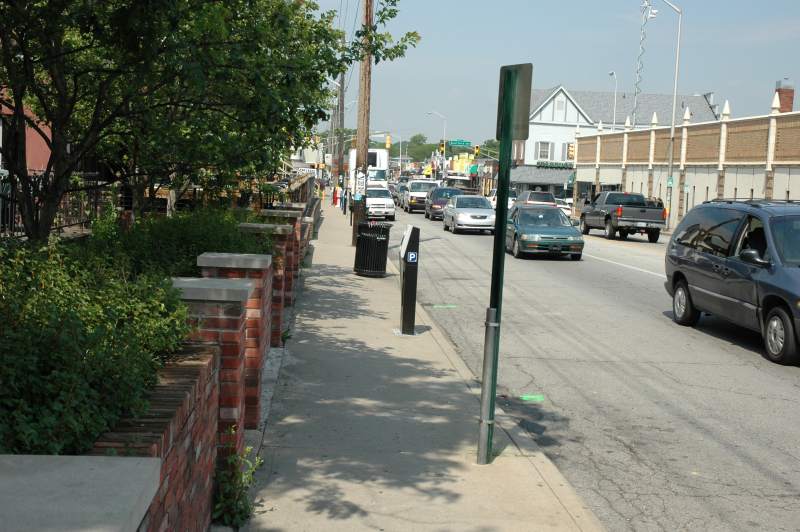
[{"x": 657, "y": 426}]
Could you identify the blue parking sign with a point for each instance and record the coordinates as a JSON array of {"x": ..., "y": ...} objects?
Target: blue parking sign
[{"x": 412, "y": 256}]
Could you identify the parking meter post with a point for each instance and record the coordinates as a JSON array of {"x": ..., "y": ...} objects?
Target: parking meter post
[
  {"x": 492, "y": 338},
  {"x": 409, "y": 261}
]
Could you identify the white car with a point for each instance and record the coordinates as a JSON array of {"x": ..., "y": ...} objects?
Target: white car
[
  {"x": 380, "y": 203},
  {"x": 414, "y": 197},
  {"x": 468, "y": 213},
  {"x": 565, "y": 207},
  {"x": 492, "y": 197}
]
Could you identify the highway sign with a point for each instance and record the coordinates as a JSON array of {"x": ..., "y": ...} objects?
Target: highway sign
[{"x": 460, "y": 142}]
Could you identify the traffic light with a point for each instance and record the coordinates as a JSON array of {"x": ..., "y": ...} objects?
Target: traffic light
[
  {"x": 441, "y": 147},
  {"x": 570, "y": 151},
  {"x": 477, "y": 151},
  {"x": 388, "y": 142}
]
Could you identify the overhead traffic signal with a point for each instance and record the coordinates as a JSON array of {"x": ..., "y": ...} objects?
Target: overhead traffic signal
[
  {"x": 441, "y": 147},
  {"x": 388, "y": 142},
  {"x": 477, "y": 151}
]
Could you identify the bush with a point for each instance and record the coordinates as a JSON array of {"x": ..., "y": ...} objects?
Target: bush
[
  {"x": 79, "y": 348},
  {"x": 170, "y": 246}
]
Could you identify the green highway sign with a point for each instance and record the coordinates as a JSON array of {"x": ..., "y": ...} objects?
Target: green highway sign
[
  {"x": 460, "y": 143},
  {"x": 669, "y": 181}
]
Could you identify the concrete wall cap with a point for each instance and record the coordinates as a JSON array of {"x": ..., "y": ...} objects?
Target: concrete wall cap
[
  {"x": 205, "y": 289},
  {"x": 278, "y": 229},
  {"x": 308, "y": 219},
  {"x": 281, "y": 212},
  {"x": 48, "y": 492},
  {"x": 235, "y": 260}
]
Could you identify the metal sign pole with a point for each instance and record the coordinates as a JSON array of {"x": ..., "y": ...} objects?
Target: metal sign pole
[{"x": 513, "y": 112}]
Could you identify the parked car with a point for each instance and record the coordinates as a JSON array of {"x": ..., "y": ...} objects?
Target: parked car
[
  {"x": 542, "y": 229},
  {"x": 414, "y": 197},
  {"x": 533, "y": 197},
  {"x": 380, "y": 203},
  {"x": 622, "y": 213},
  {"x": 468, "y": 213},
  {"x": 740, "y": 261},
  {"x": 512, "y": 197},
  {"x": 437, "y": 199}
]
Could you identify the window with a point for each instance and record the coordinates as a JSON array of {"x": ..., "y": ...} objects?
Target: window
[
  {"x": 544, "y": 151},
  {"x": 717, "y": 227},
  {"x": 786, "y": 235},
  {"x": 753, "y": 237},
  {"x": 634, "y": 200}
]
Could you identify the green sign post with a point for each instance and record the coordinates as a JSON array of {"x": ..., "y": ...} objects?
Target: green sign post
[
  {"x": 512, "y": 124},
  {"x": 460, "y": 143}
]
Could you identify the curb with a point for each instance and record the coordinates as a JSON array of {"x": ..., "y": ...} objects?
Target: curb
[{"x": 582, "y": 516}]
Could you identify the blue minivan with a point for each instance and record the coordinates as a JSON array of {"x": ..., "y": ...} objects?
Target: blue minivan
[{"x": 740, "y": 260}]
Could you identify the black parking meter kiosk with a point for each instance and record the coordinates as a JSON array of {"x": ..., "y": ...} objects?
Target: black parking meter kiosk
[{"x": 409, "y": 261}]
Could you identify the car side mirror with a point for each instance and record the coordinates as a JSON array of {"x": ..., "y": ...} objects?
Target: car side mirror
[
  {"x": 751, "y": 256},
  {"x": 575, "y": 222}
]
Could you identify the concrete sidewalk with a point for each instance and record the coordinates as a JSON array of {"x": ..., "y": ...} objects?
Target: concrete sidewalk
[{"x": 372, "y": 431}]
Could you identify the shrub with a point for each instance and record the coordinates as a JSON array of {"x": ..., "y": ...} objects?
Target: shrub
[
  {"x": 170, "y": 246},
  {"x": 79, "y": 347}
]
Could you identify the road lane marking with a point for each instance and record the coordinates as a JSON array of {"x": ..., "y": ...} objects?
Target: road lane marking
[{"x": 661, "y": 275}]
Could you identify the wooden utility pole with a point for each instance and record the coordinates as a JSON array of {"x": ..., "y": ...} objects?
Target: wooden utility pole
[
  {"x": 362, "y": 135},
  {"x": 340, "y": 126}
]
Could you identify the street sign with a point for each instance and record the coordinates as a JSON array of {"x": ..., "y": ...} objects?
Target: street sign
[
  {"x": 412, "y": 256},
  {"x": 460, "y": 143},
  {"x": 522, "y": 101},
  {"x": 669, "y": 181}
]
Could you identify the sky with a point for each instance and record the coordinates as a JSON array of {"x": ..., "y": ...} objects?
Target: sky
[{"x": 737, "y": 49}]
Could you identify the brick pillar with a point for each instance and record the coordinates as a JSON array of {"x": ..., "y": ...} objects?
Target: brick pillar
[
  {"x": 294, "y": 245},
  {"x": 217, "y": 309},
  {"x": 280, "y": 284},
  {"x": 258, "y": 317},
  {"x": 721, "y": 184}
]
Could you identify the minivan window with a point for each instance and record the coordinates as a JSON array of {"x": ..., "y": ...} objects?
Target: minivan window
[
  {"x": 444, "y": 193},
  {"x": 635, "y": 200},
  {"x": 786, "y": 234},
  {"x": 717, "y": 228},
  {"x": 421, "y": 186}
]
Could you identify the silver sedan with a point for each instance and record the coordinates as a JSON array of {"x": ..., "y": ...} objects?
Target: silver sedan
[{"x": 468, "y": 213}]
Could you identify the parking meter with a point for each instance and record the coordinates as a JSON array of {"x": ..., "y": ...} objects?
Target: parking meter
[{"x": 409, "y": 261}]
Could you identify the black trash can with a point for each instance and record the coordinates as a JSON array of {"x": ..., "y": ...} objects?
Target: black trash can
[{"x": 372, "y": 248}]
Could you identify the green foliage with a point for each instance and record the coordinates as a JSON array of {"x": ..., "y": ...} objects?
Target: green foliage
[
  {"x": 232, "y": 506},
  {"x": 169, "y": 246},
  {"x": 79, "y": 347}
]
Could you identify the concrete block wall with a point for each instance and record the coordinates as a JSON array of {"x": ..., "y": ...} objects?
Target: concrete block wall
[
  {"x": 180, "y": 428},
  {"x": 258, "y": 317}
]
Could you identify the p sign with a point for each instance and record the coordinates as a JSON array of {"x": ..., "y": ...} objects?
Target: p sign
[{"x": 412, "y": 257}]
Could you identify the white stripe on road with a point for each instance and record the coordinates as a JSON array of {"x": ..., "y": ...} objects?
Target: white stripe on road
[{"x": 661, "y": 275}]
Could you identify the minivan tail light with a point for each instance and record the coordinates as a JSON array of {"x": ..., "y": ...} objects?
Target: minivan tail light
[
  {"x": 619, "y": 212},
  {"x": 663, "y": 214}
]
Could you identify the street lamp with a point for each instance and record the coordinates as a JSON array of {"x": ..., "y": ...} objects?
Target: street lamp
[
  {"x": 614, "y": 120},
  {"x": 674, "y": 102},
  {"x": 444, "y": 139}
]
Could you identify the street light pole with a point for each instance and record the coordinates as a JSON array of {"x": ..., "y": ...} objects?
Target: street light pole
[
  {"x": 674, "y": 105},
  {"x": 614, "y": 120}
]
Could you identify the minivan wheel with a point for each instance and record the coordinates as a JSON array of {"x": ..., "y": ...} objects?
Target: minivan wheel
[
  {"x": 683, "y": 310},
  {"x": 515, "y": 249},
  {"x": 779, "y": 338},
  {"x": 609, "y": 231}
]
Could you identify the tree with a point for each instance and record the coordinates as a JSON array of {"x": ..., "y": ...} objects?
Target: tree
[{"x": 167, "y": 90}]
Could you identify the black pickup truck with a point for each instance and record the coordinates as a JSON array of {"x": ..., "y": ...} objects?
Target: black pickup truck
[{"x": 623, "y": 213}]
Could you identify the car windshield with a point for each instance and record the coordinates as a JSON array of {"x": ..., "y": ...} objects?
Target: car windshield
[
  {"x": 473, "y": 202},
  {"x": 634, "y": 200},
  {"x": 542, "y": 196},
  {"x": 376, "y": 175},
  {"x": 543, "y": 217},
  {"x": 786, "y": 234},
  {"x": 378, "y": 193},
  {"x": 444, "y": 193},
  {"x": 421, "y": 186}
]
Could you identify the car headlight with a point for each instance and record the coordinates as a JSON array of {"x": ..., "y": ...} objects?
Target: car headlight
[
  {"x": 462, "y": 216},
  {"x": 573, "y": 238},
  {"x": 533, "y": 238}
]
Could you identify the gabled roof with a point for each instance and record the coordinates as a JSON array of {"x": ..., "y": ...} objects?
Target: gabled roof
[{"x": 599, "y": 106}]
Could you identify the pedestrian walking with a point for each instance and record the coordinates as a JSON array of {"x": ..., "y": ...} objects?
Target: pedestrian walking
[{"x": 335, "y": 196}]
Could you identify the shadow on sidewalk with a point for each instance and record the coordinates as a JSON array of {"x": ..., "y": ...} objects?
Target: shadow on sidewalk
[{"x": 353, "y": 417}]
